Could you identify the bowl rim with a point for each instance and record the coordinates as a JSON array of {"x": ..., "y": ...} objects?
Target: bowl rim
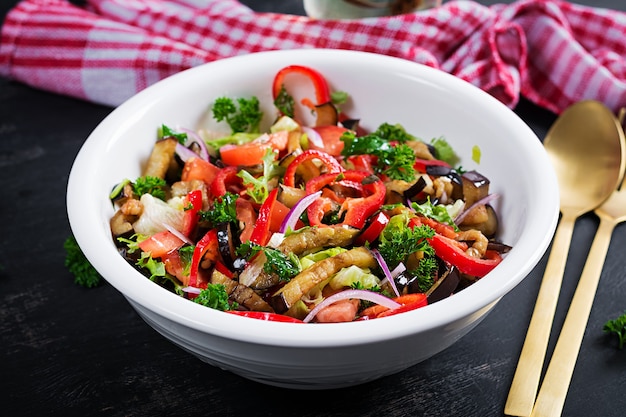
[{"x": 441, "y": 314}]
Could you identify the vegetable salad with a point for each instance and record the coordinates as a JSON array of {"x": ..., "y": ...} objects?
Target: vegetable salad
[{"x": 316, "y": 223}]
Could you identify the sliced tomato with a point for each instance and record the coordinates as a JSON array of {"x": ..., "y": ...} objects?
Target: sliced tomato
[
  {"x": 161, "y": 244},
  {"x": 252, "y": 153},
  {"x": 262, "y": 315},
  {"x": 277, "y": 215},
  {"x": 199, "y": 169},
  {"x": 174, "y": 266},
  {"x": 247, "y": 216},
  {"x": 331, "y": 138}
]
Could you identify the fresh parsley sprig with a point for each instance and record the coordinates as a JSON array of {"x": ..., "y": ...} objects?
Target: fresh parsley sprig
[
  {"x": 150, "y": 185},
  {"x": 394, "y": 157},
  {"x": 222, "y": 210},
  {"x": 242, "y": 114},
  {"x": 398, "y": 240},
  {"x": 215, "y": 296},
  {"x": 285, "y": 266},
  {"x": 617, "y": 327},
  {"x": 76, "y": 262}
]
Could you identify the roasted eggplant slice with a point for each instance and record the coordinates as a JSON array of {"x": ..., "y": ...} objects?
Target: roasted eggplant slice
[
  {"x": 475, "y": 187},
  {"x": 161, "y": 158},
  {"x": 241, "y": 294},
  {"x": 322, "y": 270},
  {"x": 307, "y": 240},
  {"x": 444, "y": 286},
  {"x": 226, "y": 243},
  {"x": 326, "y": 114}
]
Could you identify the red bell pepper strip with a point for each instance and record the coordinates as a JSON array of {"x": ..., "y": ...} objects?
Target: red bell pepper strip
[
  {"x": 226, "y": 180},
  {"x": 441, "y": 228},
  {"x": 208, "y": 244},
  {"x": 421, "y": 164},
  {"x": 374, "y": 230},
  {"x": 262, "y": 315},
  {"x": 224, "y": 269},
  {"x": 322, "y": 92},
  {"x": 357, "y": 210},
  {"x": 407, "y": 302},
  {"x": 190, "y": 220},
  {"x": 447, "y": 249},
  {"x": 363, "y": 162},
  {"x": 261, "y": 233},
  {"x": 331, "y": 164}
]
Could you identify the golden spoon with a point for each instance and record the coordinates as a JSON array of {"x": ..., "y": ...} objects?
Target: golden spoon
[
  {"x": 586, "y": 147},
  {"x": 551, "y": 397}
]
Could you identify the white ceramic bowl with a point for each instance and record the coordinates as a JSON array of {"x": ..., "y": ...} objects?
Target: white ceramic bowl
[{"x": 429, "y": 103}]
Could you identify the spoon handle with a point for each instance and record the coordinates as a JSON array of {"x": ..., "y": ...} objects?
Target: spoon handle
[
  {"x": 551, "y": 397},
  {"x": 526, "y": 379}
]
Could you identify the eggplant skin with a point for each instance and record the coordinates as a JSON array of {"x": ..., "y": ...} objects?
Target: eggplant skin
[{"x": 305, "y": 281}]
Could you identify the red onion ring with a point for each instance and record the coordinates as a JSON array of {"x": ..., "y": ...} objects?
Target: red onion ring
[
  {"x": 459, "y": 219},
  {"x": 348, "y": 294},
  {"x": 385, "y": 268},
  {"x": 296, "y": 211},
  {"x": 313, "y": 136}
]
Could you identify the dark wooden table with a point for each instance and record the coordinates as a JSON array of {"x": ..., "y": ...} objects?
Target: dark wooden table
[{"x": 66, "y": 351}]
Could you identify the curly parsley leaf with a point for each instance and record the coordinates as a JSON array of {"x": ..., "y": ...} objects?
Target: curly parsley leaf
[
  {"x": 395, "y": 161},
  {"x": 284, "y": 266},
  {"x": 617, "y": 327},
  {"x": 154, "y": 186},
  {"x": 215, "y": 296},
  {"x": 425, "y": 272},
  {"x": 398, "y": 240},
  {"x": 167, "y": 132},
  {"x": 242, "y": 115},
  {"x": 285, "y": 103},
  {"x": 76, "y": 262},
  {"x": 394, "y": 133},
  {"x": 223, "y": 210}
]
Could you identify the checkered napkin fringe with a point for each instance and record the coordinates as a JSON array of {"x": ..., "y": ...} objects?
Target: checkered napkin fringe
[{"x": 551, "y": 52}]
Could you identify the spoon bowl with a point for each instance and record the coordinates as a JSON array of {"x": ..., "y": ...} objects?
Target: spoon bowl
[{"x": 587, "y": 150}]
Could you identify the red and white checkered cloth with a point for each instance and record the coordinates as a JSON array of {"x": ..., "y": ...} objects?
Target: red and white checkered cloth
[{"x": 550, "y": 51}]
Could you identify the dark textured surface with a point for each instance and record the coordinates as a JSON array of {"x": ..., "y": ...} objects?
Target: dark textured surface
[{"x": 67, "y": 351}]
